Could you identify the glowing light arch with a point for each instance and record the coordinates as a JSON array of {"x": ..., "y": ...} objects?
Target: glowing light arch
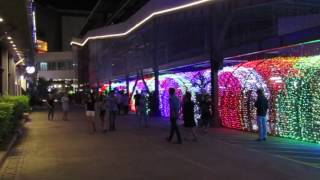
[
  {"x": 240, "y": 86},
  {"x": 140, "y": 23}
]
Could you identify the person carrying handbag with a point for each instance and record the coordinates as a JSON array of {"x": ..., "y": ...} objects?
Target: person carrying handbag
[{"x": 174, "y": 115}]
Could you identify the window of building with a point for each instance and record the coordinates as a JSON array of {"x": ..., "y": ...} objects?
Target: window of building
[
  {"x": 43, "y": 66},
  {"x": 70, "y": 65},
  {"x": 52, "y": 66},
  {"x": 56, "y": 65},
  {"x": 61, "y": 65}
]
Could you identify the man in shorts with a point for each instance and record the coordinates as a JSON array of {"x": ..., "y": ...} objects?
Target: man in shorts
[{"x": 90, "y": 112}]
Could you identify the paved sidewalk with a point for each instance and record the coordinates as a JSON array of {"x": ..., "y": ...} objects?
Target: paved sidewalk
[{"x": 65, "y": 150}]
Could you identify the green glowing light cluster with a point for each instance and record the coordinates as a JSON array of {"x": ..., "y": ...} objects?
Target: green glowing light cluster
[{"x": 298, "y": 105}]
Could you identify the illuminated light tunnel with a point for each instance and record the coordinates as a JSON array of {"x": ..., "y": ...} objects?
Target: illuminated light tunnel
[
  {"x": 171, "y": 81},
  {"x": 298, "y": 106},
  {"x": 237, "y": 92},
  {"x": 140, "y": 87},
  {"x": 292, "y": 87},
  {"x": 291, "y": 84},
  {"x": 274, "y": 71}
]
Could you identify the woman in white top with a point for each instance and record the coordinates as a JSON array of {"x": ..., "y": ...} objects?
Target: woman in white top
[
  {"x": 65, "y": 106},
  {"x": 113, "y": 109}
]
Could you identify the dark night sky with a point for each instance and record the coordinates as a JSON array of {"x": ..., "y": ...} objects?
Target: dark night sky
[{"x": 86, "y": 5}]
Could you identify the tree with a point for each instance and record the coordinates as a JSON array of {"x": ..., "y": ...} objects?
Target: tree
[
  {"x": 42, "y": 87},
  {"x": 200, "y": 81}
]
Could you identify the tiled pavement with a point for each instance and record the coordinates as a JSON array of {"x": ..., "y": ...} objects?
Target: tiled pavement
[
  {"x": 292, "y": 150},
  {"x": 64, "y": 150}
]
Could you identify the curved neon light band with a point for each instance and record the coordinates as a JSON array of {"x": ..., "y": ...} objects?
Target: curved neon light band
[
  {"x": 141, "y": 22},
  {"x": 19, "y": 62}
]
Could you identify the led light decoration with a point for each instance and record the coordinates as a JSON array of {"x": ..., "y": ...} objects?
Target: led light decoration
[
  {"x": 237, "y": 93},
  {"x": 118, "y": 86},
  {"x": 32, "y": 14},
  {"x": 104, "y": 89},
  {"x": 148, "y": 18},
  {"x": 229, "y": 106},
  {"x": 290, "y": 83},
  {"x": 274, "y": 72},
  {"x": 197, "y": 83},
  {"x": 298, "y": 106},
  {"x": 140, "y": 87},
  {"x": 292, "y": 87},
  {"x": 166, "y": 82}
]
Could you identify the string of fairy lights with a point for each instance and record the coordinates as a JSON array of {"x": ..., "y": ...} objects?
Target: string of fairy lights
[{"x": 290, "y": 83}]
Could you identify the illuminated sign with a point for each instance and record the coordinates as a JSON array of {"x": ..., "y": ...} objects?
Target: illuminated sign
[{"x": 42, "y": 46}]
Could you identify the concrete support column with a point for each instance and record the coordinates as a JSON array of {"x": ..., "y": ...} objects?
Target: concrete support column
[
  {"x": 12, "y": 77},
  {"x": 156, "y": 71},
  {"x": 75, "y": 59},
  {"x": 4, "y": 68},
  {"x": 215, "y": 66},
  {"x": 218, "y": 21},
  {"x": 127, "y": 77},
  {"x": 110, "y": 83},
  {"x": 127, "y": 84}
]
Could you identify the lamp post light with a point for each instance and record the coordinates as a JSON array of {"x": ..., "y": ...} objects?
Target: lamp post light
[{"x": 30, "y": 69}]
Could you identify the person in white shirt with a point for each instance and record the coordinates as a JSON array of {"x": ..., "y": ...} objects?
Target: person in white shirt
[{"x": 65, "y": 106}]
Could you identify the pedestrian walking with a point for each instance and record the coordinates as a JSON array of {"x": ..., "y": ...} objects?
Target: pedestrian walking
[
  {"x": 262, "y": 107},
  {"x": 136, "y": 101},
  {"x": 51, "y": 106},
  {"x": 90, "y": 112},
  {"x": 205, "y": 105},
  {"x": 125, "y": 102},
  {"x": 174, "y": 115},
  {"x": 188, "y": 115},
  {"x": 65, "y": 106},
  {"x": 102, "y": 106},
  {"x": 113, "y": 108},
  {"x": 119, "y": 101},
  {"x": 143, "y": 114}
]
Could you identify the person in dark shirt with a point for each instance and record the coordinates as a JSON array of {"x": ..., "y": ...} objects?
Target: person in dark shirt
[
  {"x": 262, "y": 107},
  {"x": 113, "y": 109},
  {"x": 90, "y": 112},
  {"x": 205, "y": 106},
  {"x": 137, "y": 97},
  {"x": 174, "y": 115},
  {"x": 188, "y": 115},
  {"x": 50, "y": 103}
]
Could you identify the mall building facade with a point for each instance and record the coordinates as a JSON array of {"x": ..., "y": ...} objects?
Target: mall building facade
[{"x": 207, "y": 38}]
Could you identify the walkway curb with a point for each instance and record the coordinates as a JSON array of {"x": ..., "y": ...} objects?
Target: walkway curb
[{"x": 14, "y": 139}]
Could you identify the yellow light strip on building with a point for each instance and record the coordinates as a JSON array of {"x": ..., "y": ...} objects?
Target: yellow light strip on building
[
  {"x": 20, "y": 61},
  {"x": 141, "y": 22}
]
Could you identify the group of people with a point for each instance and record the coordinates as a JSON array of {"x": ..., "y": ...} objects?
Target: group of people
[
  {"x": 113, "y": 104},
  {"x": 104, "y": 105},
  {"x": 122, "y": 102},
  {"x": 51, "y": 101},
  {"x": 188, "y": 106},
  {"x": 141, "y": 102}
]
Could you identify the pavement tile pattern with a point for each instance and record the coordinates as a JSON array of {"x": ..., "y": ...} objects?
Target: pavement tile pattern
[{"x": 65, "y": 150}]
